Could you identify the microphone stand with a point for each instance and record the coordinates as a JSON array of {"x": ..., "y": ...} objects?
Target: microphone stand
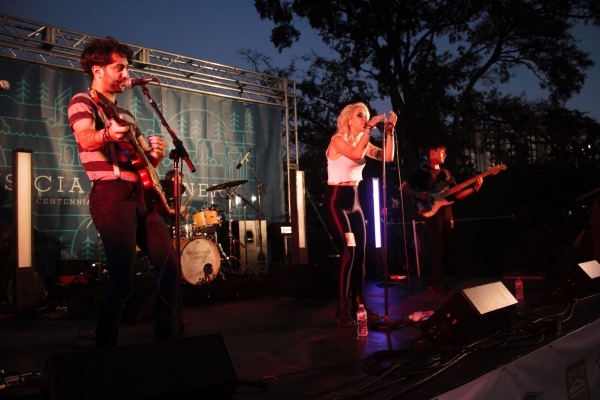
[
  {"x": 179, "y": 152},
  {"x": 386, "y": 324},
  {"x": 261, "y": 254}
]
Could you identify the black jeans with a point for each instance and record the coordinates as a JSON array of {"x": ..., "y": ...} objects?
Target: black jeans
[
  {"x": 343, "y": 214},
  {"x": 124, "y": 217},
  {"x": 440, "y": 233}
]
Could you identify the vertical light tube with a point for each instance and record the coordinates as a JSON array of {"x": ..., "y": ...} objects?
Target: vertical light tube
[
  {"x": 24, "y": 282},
  {"x": 300, "y": 209},
  {"x": 23, "y": 185},
  {"x": 376, "y": 213}
]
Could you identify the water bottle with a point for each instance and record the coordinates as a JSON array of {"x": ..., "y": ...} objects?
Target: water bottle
[
  {"x": 361, "y": 320},
  {"x": 519, "y": 288}
]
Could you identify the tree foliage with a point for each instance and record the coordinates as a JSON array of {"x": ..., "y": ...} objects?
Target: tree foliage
[
  {"x": 439, "y": 63},
  {"x": 427, "y": 57}
]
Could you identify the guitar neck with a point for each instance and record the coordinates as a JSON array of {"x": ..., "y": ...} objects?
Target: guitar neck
[{"x": 463, "y": 185}]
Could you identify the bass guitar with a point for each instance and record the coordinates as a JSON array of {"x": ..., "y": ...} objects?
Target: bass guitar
[
  {"x": 441, "y": 192},
  {"x": 145, "y": 169}
]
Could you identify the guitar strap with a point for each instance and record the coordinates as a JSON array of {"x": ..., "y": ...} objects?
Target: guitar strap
[{"x": 111, "y": 146}]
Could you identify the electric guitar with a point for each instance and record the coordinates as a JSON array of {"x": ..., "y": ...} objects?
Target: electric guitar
[
  {"x": 143, "y": 166},
  {"x": 441, "y": 192}
]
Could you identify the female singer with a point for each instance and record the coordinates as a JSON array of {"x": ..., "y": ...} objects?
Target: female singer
[{"x": 345, "y": 162}]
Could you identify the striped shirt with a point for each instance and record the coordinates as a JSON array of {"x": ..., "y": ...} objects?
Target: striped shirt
[{"x": 98, "y": 163}]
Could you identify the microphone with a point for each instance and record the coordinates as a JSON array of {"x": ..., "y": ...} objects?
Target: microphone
[
  {"x": 245, "y": 158},
  {"x": 130, "y": 83},
  {"x": 4, "y": 85}
]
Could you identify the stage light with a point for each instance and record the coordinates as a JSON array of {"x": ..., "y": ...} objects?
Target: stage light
[
  {"x": 24, "y": 283},
  {"x": 298, "y": 218},
  {"x": 376, "y": 213}
]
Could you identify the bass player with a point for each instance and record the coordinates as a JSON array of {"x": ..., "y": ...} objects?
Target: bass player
[
  {"x": 440, "y": 225},
  {"x": 124, "y": 213}
]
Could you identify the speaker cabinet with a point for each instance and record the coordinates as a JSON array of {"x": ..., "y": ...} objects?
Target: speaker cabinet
[
  {"x": 247, "y": 234},
  {"x": 195, "y": 367},
  {"x": 470, "y": 314},
  {"x": 577, "y": 281}
]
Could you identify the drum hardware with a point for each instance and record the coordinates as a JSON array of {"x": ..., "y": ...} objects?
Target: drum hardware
[
  {"x": 245, "y": 268},
  {"x": 223, "y": 255},
  {"x": 99, "y": 265},
  {"x": 259, "y": 188},
  {"x": 261, "y": 264},
  {"x": 228, "y": 185}
]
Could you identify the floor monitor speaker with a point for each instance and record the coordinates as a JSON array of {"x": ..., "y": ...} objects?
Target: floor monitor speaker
[
  {"x": 470, "y": 314},
  {"x": 577, "y": 281}
]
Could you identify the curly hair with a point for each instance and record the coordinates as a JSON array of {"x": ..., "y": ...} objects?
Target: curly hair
[{"x": 100, "y": 52}]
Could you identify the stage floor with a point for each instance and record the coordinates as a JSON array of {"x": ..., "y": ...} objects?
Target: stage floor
[{"x": 291, "y": 344}]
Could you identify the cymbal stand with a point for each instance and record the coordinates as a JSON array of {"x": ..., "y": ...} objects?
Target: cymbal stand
[
  {"x": 261, "y": 255},
  {"x": 232, "y": 240},
  {"x": 245, "y": 234}
]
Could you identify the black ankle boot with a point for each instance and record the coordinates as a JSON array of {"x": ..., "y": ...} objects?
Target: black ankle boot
[
  {"x": 343, "y": 316},
  {"x": 371, "y": 316}
]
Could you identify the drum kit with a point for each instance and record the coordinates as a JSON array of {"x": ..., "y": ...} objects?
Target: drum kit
[{"x": 202, "y": 256}]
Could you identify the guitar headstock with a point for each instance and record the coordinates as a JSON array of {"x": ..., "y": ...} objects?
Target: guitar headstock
[{"x": 495, "y": 169}]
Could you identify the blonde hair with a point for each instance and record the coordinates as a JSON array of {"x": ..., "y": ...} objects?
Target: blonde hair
[{"x": 346, "y": 114}]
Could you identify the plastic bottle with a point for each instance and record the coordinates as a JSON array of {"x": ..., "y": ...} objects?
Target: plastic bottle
[
  {"x": 519, "y": 288},
  {"x": 361, "y": 320}
]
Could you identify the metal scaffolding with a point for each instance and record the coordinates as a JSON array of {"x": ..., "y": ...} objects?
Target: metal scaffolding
[{"x": 39, "y": 43}]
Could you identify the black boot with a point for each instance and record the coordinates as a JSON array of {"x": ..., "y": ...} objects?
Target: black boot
[
  {"x": 371, "y": 316},
  {"x": 343, "y": 316}
]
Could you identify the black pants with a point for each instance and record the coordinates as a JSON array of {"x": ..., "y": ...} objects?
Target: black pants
[
  {"x": 343, "y": 214},
  {"x": 124, "y": 217},
  {"x": 439, "y": 230}
]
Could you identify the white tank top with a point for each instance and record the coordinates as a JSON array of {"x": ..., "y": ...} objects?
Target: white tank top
[{"x": 344, "y": 169}]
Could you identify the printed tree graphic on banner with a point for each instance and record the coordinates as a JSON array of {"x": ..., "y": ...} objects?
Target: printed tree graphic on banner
[
  {"x": 182, "y": 126},
  {"x": 218, "y": 128},
  {"x": 22, "y": 91},
  {"x": 249, "y": 121},
  {"x": 234, "y": 121},
  {"x": 136, "y": 107},
  {"x": 196, "y": 128},
  {"x": 88, "y": 248},
  {"x": 43, "y": 97}
]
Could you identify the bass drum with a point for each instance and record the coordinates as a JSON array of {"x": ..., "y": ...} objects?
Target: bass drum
[{"x": 200, "y": 261}]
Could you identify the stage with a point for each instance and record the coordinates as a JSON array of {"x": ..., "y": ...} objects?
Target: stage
[{"x": 245, "y": 333}]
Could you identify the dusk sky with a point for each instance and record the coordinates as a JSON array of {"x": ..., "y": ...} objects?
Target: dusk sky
[{"x": 216, "y": 31}]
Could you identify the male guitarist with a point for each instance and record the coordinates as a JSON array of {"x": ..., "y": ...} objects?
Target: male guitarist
[
  {"x": 439, "y": 225},
  {"x": 124, "y": 213}
]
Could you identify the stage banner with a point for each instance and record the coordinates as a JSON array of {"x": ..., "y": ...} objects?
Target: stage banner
[
  {"x": 216, "y": 131},
  {"x": 566, "y": 369}
]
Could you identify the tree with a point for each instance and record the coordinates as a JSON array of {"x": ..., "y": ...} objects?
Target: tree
[{"x": 428, "y": 57}]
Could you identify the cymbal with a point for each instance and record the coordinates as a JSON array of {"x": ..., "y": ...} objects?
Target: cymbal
[{"x": 226, "y": 185}]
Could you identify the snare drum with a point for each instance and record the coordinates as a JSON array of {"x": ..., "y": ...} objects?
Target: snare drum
[
  {"x": 186, "y": 231},
  {"x": 200, "y": 261},
  {"x": 207, "y": 221}
]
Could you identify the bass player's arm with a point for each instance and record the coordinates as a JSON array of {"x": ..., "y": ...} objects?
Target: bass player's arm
[
  {"x": 406, "y": 189},
  {"x": 467, "y": 192}
]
